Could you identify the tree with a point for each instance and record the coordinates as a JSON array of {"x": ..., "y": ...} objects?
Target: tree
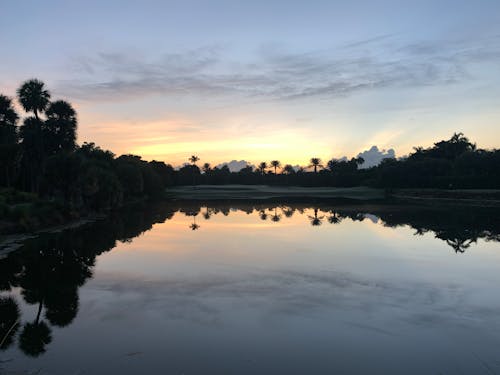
[
  {"x": 275, "y": 164},
  {"x": 33, "y": 96},
  {"x": 288, "y": 169},
  {"x": 262, "y": 167},
  {"x": 193, "y": 159},
  {"x": 9, "y": 148},
  {"x": 315, "y": 162},
  {"x": 206, "y": 168},
  {"x": 60, "y": 127}
]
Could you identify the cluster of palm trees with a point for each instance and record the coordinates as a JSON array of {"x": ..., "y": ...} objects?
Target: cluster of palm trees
[
  {"x": 23, "y": 150},
  {"x": 263, "y": 167}
]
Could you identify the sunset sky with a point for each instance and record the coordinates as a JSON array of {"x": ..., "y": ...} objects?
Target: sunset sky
[{"x": 261, "y": 80}]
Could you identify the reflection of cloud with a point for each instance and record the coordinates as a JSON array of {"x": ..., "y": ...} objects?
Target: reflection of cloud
[
  {"x": 374, "y": 156},
  {"x": 278, "y": 74},
  {"x": 287, "y": 294}
]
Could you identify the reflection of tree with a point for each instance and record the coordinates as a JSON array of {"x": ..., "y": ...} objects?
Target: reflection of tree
[
  {"x": 276, "y": 217},
  {"x": 194, "y": 226},
  {"x": 207, "y": 214},
  {"x": 9, "y": 321},
  {"x": 288, "y": 211},
  {"x": 262, "y": 215},
  {"x": 315, "y": 220},
  {"x": 49, "y": 271},
  {"x": 334, "y": 218},
  {"x": 34, "y": 338}
]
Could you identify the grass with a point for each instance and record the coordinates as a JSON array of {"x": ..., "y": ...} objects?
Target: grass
[{"x": 260, "y": 192}]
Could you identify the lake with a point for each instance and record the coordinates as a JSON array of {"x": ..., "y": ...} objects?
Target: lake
[{"x": 257, "y": 288}]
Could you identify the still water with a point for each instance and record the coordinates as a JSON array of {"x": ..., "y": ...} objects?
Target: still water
[{"x": 245, "y": 288}]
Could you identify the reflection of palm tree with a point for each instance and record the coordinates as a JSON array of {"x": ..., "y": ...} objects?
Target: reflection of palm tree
[
  {"x": 207, "y": 214},
  {"x": 194, "y": 226},
  {"x": 276, "y": 217},
  {"x": 288, "y": 211},
  {"x": 334, "y": 219},
  {"x": 9, "y": 321},
  {"x": 315, "y": 220},
  {"x": 35, "y": 336},
  {"x": 460, "y": 244},
  {"x": 262, "y": 215}
]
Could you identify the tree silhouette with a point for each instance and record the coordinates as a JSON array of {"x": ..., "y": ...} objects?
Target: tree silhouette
[
  {"x": 8, "y": 140},
  {"x": 60, "y": 127},
  {"x": 315, "y": 163},
  {"x": 33, "y": 96},
  {"x": 9, "y": 321},
  {"x": 193, "y": 159},
  {"x": 206, "y": 168},
  {"x": 275, "y": 164},
  {"x": 276, "y": 217},
  {"x": 288, "y": 169},
  {"x": 262, "y": 167},
  {"x": 315, "y": 220}
]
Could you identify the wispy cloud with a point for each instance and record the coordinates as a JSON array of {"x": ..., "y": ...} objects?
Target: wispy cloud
[{"x": 276, "y": 74}]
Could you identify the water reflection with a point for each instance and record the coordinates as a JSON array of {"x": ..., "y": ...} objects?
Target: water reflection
[{"x": 48, "y": 271}]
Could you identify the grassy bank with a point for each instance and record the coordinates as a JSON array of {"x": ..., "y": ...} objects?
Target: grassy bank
[
  {"x": 24, "y": 212},
  {"x": 263, "y": 192}
]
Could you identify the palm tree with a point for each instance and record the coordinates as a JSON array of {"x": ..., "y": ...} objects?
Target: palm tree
[
  {"x": 33, "y": 96},
  {"x": 315, "y": 162},
  {"x": 288, "y": 169},
  {"x": 262, "y": 167},
  {"x": 60, "y": 127},
  {"x": 193, "y": 159},
  {"x": 9, "y": 148},
  {"x": 275, "y": 164},
  {"x": 206, "y": 168}
]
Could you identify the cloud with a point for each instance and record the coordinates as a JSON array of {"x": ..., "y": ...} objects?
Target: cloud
[
  {"x": 374, "y": 156},
  {"x": 235, "y": 165},
  {"x": 274, "y": 73}
]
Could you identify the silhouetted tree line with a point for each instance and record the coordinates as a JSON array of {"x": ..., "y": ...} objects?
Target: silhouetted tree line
[
  {"x": 40, "y": 155},
  {"x": 453, "y": 163}
]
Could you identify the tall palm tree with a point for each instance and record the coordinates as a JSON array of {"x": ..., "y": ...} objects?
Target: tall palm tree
[
  {"x": 316, "y": 163},
  {"x": 193, "y": 159},
  {"x": 275, "y": 164},
  {"x": 33, "y": 96},
  {"x": 262, "y": 167}
]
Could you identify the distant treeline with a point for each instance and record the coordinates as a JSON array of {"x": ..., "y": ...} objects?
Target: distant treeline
[{"x": 40, "y": 156}]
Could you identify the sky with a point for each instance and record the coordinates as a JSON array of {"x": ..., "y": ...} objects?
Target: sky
[{"x": 262, "y": 80}]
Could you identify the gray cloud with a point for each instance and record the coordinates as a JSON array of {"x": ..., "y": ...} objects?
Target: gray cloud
[
  {"x": 374, "y": 156},
  {"x": 277, "y": 74},
  {"x": 235, "y": 165}
]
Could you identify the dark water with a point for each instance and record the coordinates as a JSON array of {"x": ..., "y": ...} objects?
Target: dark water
[{"x": 304, "y": 288}]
